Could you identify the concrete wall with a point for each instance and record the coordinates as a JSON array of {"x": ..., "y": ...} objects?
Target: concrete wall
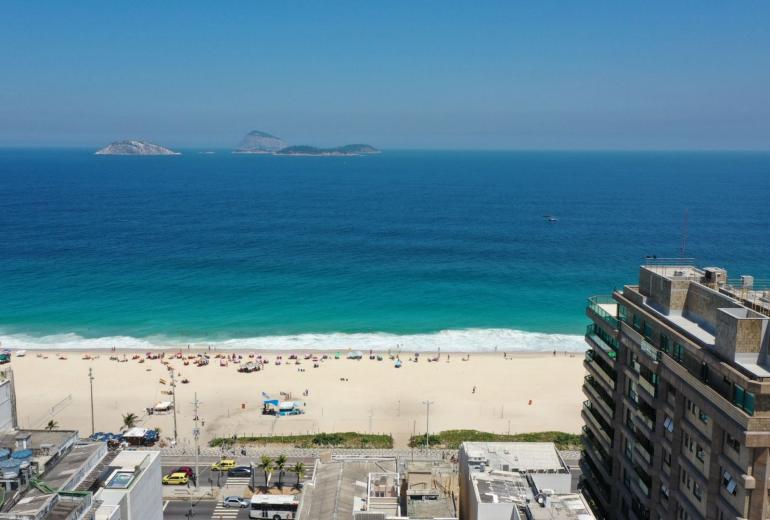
[
  {"x": 146, "y": 497},
  {"x": 739, "y": 331},
  {"x": 6, "y": 406},
  {"x": 701, "y": 306}
]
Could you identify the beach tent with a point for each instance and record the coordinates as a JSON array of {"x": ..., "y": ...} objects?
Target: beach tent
[
  {"x": 355, "y": 355},
  {"x": 164, "y": 406}
]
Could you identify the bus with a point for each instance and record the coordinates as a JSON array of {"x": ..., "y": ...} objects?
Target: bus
[{"x": 274, "y": 507}]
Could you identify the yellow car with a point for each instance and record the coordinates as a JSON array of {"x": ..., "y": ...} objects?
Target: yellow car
[
  {"x": 223, "y": 465},
  {"x": 176, "y": 478}
]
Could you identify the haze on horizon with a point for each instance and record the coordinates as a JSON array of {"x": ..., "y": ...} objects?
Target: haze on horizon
[{"x": 487, "y": 75}]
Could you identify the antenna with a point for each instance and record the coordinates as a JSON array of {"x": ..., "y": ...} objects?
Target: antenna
[{"x": 683, "y": 251}]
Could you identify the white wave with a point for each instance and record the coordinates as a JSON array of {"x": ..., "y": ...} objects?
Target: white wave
[{"x": 464, "y": 340}]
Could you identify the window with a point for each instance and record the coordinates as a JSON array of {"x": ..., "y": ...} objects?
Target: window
[
  {"x": 664, "y": 491},
  {"x": 729, "y": 483},
  {"x": 636, "y": 322},
  {"x": 667, "y": 457},
  {"x": 668, "y": 424},
  {"x": 678, "y": 352},
  {"x": 697, "y": 491},
  {"x": 699, "y": 452},
  {"x": 743, "y": 399},
  {"x": 703, "y": 417},
  {"x": 664, "y": 346},
  {"x": 733, "y": 443}
]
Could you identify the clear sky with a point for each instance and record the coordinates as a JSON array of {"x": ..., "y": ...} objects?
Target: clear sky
[{"x": 440, "y": 74}]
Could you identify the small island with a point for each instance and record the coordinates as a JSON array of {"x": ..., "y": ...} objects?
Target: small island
[
  {"x": 258, "y": 142},
  {"x": 134, "y": 147},
  {"x": 346, "y": 150}
]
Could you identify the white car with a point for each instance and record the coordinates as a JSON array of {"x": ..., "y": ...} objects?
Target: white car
[{"x": 234, "y": 502}]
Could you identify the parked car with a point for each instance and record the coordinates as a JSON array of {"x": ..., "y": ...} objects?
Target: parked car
[
  {"x": 223, "y": 465},
  {"x": 176, "y": 479},
  {"x": 187, "y": 470},
  {"x": 234, "y": 502},
  {"x": 240, "y": 471}
]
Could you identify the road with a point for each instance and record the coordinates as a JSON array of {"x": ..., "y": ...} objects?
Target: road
[
  {"x": 213, "y": 510},
  {"x": 205, "y": 510},
  {"x": 207, "y": 477}
]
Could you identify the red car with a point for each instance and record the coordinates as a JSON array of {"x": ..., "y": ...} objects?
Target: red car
[{"x": 187, "y": 470}]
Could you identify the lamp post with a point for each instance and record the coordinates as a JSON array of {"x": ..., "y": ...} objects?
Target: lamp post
[
  {"x": 91, "y": 382},
  {"x": 427, "y": 424}
]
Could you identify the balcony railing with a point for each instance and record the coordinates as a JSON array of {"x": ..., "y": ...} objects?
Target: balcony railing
[
  {"x": 600, "y": 425},
  {"x": 601, "y": 392},
  {"x": 595, "y": 304},
  {"x": 605, "y": 373}
]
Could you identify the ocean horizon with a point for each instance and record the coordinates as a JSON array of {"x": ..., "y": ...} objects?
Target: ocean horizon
[{"x": 417, "y": 250}]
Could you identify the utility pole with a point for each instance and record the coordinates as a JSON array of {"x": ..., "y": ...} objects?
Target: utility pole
[
  {"x": 91, "y": 382},
  {"x": 196, "y": 434},
  {"x": 173, "y": 396},
  {"x": 427, "y": 424}
]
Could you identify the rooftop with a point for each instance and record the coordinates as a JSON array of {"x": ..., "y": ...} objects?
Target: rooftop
[
  {"x": 528, "y": 501},
  {"x": 341, "y": 487},
  {"x": 530, "y": 457}
]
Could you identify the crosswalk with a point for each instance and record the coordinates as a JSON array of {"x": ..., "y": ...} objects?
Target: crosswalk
[
  {"x": 224, "y": 513},
  {"x": 238, "y": 481}
]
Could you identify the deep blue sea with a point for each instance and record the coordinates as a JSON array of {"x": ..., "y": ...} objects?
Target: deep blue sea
[{"x": 417, "y": 249}]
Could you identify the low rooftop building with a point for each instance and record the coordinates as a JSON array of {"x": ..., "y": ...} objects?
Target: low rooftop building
[{"x": 517, "y": 481}]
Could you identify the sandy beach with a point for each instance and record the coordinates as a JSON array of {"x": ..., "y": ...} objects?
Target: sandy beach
[{"x": 343, "y": 394}]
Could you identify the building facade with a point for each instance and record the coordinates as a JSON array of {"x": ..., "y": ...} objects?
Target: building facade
[{"x": 677, "y": 415}]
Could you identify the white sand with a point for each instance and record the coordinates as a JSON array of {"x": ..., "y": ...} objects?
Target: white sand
[{"x": 377, "y": 397}]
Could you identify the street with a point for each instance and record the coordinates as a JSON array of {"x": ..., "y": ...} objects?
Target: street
[{"x": 211, "y": 509}]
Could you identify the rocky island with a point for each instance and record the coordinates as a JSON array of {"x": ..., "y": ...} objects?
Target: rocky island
[
  {"x": 348, "y": 149},
  {"x": 260, "y": 142},
  {"x": 132, "y": 147},
  {"x": 257, "y": 142}
]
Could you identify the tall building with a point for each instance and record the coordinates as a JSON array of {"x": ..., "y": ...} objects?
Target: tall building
[{"x": 677, "y": 420}]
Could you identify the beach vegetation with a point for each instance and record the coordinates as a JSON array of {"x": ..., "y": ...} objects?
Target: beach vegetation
[
  {"x": 280, "y": 465},
  {"x": 325, "y": 440},
  {"x": 452, "y": 439},
  {"x": 299, "y": 470},
  {"x": 267, "y": 465},
  {"x": 129, "y": 420}
]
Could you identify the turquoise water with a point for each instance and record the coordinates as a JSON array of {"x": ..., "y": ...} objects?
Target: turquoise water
[{"x": 420, "y": 249}]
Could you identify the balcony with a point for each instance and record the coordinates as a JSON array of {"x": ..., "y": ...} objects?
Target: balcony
[
  {"x": 600, "y": 396},
  {"x": 598, "y": 367},
  {"x": 598, "y": 454},
  {"x": 605, "y": 308},
  {"x": 603, "y": 341},
  {"x": 600, "y": 427}
]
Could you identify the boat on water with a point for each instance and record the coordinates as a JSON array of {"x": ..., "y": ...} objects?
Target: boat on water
[{"x": 550, "y": 218}]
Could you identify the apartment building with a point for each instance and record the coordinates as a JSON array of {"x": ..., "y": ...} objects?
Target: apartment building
[{"x": 677, "y": 416}]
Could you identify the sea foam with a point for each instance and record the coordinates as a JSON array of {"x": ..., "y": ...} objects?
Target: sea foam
[{"x": 465, "y": 340}]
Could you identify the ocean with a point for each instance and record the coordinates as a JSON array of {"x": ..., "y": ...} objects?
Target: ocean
[{"x": 416, "y": 250}]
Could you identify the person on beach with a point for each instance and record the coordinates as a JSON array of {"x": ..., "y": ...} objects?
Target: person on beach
[{"x": 474, "y": 389}]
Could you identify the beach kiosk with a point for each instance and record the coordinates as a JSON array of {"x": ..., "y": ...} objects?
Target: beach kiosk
[
  {"x": 140, "y": 437},
  {"x": 281, "y": 408}
]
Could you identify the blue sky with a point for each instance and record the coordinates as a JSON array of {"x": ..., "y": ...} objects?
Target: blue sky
[{"x": 441, "y": 74}]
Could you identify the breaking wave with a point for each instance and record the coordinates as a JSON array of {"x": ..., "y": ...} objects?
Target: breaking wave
[{"x": 465, "y": 340}]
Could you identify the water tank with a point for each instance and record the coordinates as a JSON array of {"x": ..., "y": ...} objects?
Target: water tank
[
  {"x": 22, "y": 454},
  {"x": 9, "y": 468}
]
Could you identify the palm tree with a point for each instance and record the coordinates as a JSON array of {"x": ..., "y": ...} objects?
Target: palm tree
[
  {"x": 52, "y": 425},
  {"x": 129, "y": 420},
  {"x": 280, "y": 465},
  {"x": 299, "y": 470},
  {"x": 266, "y": 465}
]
